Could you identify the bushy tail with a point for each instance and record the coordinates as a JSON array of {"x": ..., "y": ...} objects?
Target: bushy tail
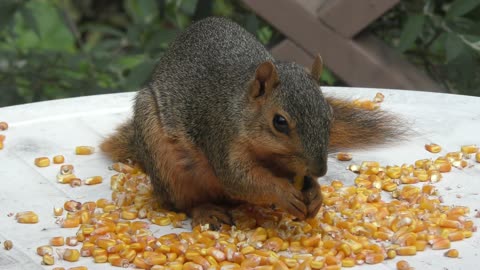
[
  {"x": 118, "y": 145},
  {"x": 354, "y": 127}
]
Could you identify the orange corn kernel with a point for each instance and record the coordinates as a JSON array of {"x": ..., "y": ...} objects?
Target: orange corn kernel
[
  {"x": 42, "y": 162},
  {"x": 433, "y": 148},
  {"x": 403, "y": 265},
  {"x": 344, "y": 156},
  {"x": 451, "y": 253},
  {"x": 406, "y": 251},
  {"x": 57, "y": 241},
  {"x": 42, "y": 250}
]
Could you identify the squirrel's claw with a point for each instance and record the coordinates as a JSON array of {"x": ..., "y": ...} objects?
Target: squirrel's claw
[
  {"x": 210, "y": 214},
  {"x": 312, "y": 196}
]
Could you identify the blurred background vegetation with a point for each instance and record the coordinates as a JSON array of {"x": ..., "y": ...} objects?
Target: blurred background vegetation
[{"x": 61, "y": 48}]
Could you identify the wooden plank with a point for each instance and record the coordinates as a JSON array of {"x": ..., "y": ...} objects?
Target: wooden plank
[
  {"x": 288, "y": 51},
  {"x": 352, "y": 63},
  {"x": 349, "y": 17}
]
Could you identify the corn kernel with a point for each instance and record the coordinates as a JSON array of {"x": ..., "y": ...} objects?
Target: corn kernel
[
  {"x": 103, "y": 258},
  {"x": 403, "y": 265},
  {"x": 477, "y": 157},
  {"x": 42, "y": 162},
  {"x": 406, "y": 251},
  {"x": 57, "y": 241},
  {"x": 78, "y": 268},
  {"x": 72, "y": 206},
  {"x": 75, "y": 182},
  {"x": 440, "y": 243},
  {"x": 71, "y": 255},
  {"x": 379, "y": 97},
  {"x": 93, "y": 180},
  {"x": 48, "y": 259},
  {"x": 8, "y": 244},
  {"x": 28, "y": 217},
  {"x": 344, "y": 156},
  {"x": 348, "y": 262},
  {"x": 433, "y": 148},
  {"x": 3, "y": 126},
  {"x": 451, "y": 253},
  {"x": 59, "y": 159},
  {"x": 84, "y": 150},
  {"x": 469, "y": 149}
]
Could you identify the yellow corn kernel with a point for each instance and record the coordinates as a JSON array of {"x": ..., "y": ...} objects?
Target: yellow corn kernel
[
  {"x": 57, "y": 241},
  {"x": 78, "y": 268},
  {"x": 406, "y": 251},
  {"x": 433, "y": 148},
  {"x": 1, "y": 144},
  {"x": 59, "y": 159},
  {"x": 48, "y": 259},
  {"x": 451, "y": 253},
  {"x": 344, "y": 156},
  {"x": 71, "y": 255},
  {"x": 477, "y": 157},
  {"x": 469, "y": 149},
  {"x": 403, "y": 265},
  {"x": 42, "y": 162},
  {"x": 57, "y": 211},
  {"x": 389, "y": 186},
  {"x": 65, "y": 178},
  {"x": 84, "y": 150},
  {"x": 161, "y": 221},
  {"x": 391, "y": 254},
  {"x": 3, "y": 126},
  {"x": 58, "y": 268},
  {"x": 348, "y": 262},
  {"x": 421, "y": 245},
  {"x": 71, "y": 222},
  {"x": 8, "y": 244},
  {"x": 102, "y": 258},
  {"x": 93, "y": 180},
  {"x": 28, "y": 217}
]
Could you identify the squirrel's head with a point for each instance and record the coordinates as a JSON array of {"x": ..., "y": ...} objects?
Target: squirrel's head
[{"x": 288, "y": 119}]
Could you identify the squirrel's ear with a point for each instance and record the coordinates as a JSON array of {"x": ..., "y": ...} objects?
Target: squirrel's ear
[
  {"x": 266, "y": 79},
  {"x": 317, "y": 67}
]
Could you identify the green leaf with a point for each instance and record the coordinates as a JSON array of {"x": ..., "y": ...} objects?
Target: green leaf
[
  {"x": 8, "y": 8},
  {"x": 139, "y": 75},
  {"x": 30, "y": 20},
  {"x": 411, "y": 30},
  {"x": 461, "y": 7},
  {"x": 453, "y": 46},
  {"x": 142, "y": 11},
  {"x": 328, "y": 77}
]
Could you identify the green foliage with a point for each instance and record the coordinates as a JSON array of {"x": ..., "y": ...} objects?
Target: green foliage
[
  {"x": 62, "y": 48},
  {"x": 441, "y": 36}
]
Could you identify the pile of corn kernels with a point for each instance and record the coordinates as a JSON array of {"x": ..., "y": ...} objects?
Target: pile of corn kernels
[{"x": 355, "y": 225}]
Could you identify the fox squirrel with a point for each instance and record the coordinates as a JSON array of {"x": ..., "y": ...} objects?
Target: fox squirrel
[{"x": 221, "y": 122}]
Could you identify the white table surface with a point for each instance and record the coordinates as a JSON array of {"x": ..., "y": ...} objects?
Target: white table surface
[{"x": 56, "y": 127}]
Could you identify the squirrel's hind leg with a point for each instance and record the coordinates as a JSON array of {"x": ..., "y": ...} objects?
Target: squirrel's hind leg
[{"x": 213, "y": 215}]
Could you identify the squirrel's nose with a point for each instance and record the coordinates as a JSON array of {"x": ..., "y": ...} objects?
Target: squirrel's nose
[{"x": 318, "y": 168}]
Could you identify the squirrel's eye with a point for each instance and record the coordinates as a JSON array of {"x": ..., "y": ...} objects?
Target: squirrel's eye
[{"x": 280, "y": 123}]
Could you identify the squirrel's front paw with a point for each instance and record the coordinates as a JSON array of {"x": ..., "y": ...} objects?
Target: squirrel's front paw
[
  {"x": 312, "y": 196},
  {"x": 210, "y": 214},
  {"x": 291, "y": 200}
]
